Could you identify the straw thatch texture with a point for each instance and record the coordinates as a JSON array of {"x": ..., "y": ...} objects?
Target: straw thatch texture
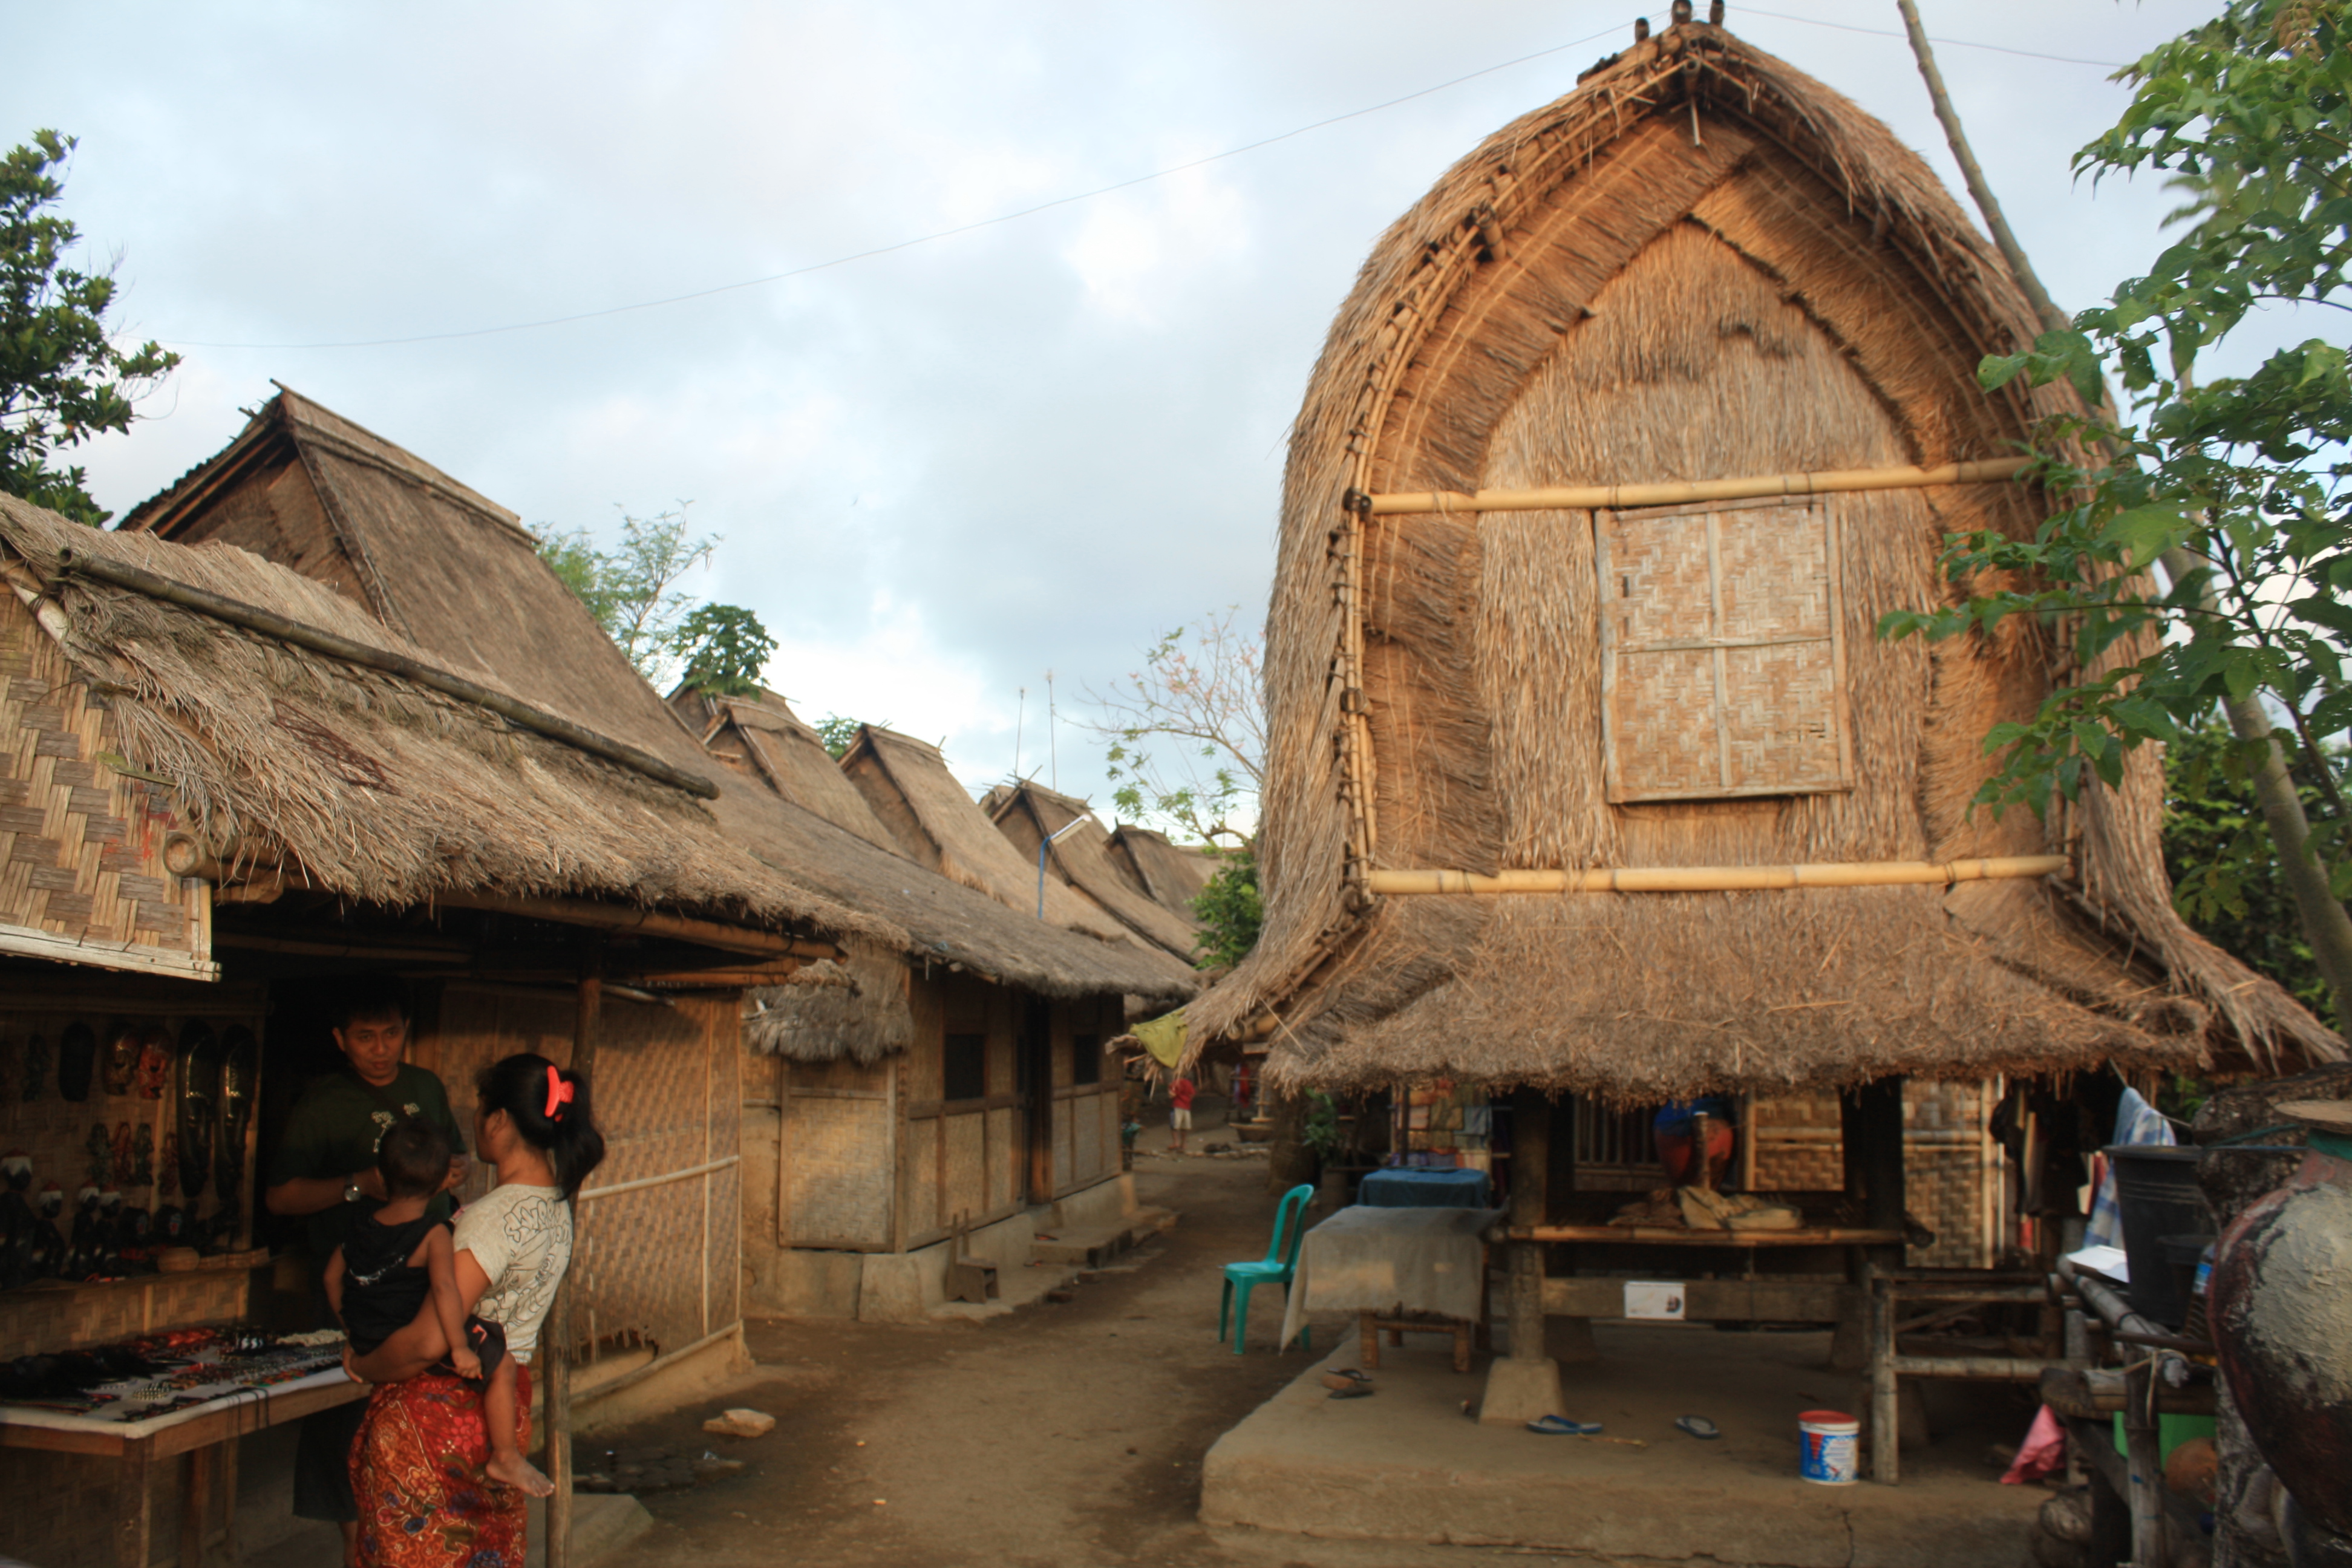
[
  {"x": 939, "y": 824},
  {"x": 762, "y": 737},
  {"x": 1700, "y": 264},
  {"x": 378, "y": 789},
  {"x": 1029, "y": 814},
  {"x": 311, "y": 490},
  {"x": 856, "y": 1009},
  {"x": 1167, "y": 871}
]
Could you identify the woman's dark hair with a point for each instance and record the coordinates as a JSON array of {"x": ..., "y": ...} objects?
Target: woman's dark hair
[
  {"x": 550, "y": 1110},
  {"x": 414, "y": 1159}
]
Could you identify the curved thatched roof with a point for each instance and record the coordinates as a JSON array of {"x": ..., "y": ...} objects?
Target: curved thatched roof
[
  {"x": 1698, "y": 265},
  {"x": 380, "y": 789},
  {"x": 855, "y": 1008},
  {"x": 1171, "y": 873}
]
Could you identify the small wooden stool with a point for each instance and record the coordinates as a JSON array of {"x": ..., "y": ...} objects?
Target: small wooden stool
[{"x": 1400, "y": 1323}]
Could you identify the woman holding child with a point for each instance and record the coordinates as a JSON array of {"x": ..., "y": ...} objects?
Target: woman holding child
[{"x": 447, "y": 1325}]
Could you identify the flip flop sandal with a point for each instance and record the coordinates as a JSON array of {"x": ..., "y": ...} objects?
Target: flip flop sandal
[
  {"x": 1353, "y": 1391},
  {"x": 1346, "y": 1378},
  {"x": 1561, "y": 1426},
  {"x": 76, "y": 1058},
  {"x": 200, "y": 1085},
  {"x": 1698, "y": 1426}
]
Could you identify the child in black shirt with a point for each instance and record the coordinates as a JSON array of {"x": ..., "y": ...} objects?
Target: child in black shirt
[{"x": 398, "y": 1266}]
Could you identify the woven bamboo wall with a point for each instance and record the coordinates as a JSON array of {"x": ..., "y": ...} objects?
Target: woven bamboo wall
[
  {"x": 81, "y": 839},
  {"x": 1952, "y": 1176},
  {"x": 838, "y": 1124},
  {"x": 659, "y": 1266}
]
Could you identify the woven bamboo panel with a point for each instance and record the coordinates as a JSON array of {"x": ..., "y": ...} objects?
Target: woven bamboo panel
[
  {"x": 1087, "y": 1138},
  {"x": 963, "y": 1187},
  {"x": 1004, "y": 1158},
  {"x": 1721, "y": 652},
  {"x": 838, "y": 1149},
  {"x": 46, "y": 1319},
  {"x": 82, "y": 841},
  {"x": 918, "y": 1180}
]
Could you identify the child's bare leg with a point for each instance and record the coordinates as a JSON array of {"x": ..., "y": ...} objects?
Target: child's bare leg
[{"x": 500, "y": 1418}]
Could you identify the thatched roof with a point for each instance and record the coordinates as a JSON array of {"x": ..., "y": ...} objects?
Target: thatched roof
[
  {"x": 306, "y": 487},
  {"x": 1030, "y": 814},
  {"x": 1700, "y": 264},
  {"x": 761, "y": 738},
  {"x": 857, "y": 1008},
  {"x": 379, "y": 788},
  {"x": 1170, "y": 873}
]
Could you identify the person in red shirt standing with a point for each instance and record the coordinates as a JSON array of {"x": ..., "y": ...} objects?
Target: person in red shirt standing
[{"x": 1180, "y": 1114}]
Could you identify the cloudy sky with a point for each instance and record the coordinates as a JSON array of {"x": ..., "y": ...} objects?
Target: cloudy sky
[{"x": 942, "y": 470}]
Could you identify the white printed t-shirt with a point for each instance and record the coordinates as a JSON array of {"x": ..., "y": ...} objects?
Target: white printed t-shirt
[{"x": 521, "y": 1237}]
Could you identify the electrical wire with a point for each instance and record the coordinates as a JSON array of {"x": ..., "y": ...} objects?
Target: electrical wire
[{"x": 937, "y": 235}]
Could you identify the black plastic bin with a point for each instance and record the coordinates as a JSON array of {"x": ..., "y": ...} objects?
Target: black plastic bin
[{"x": 2155, "y": 1188}]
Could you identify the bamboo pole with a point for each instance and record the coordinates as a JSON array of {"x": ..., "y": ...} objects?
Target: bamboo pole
[
  {"x": 587, "y": 1009},
  {"x": 1579, "y": 497},
  {"x": 253, "y": 618},
  {"x": 1720, "y": 879}
]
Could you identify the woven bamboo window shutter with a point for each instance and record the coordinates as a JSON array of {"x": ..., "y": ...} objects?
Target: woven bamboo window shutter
[{"x": 1723, "y": 655}]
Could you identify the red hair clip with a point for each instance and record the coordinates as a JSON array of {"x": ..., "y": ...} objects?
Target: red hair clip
[{"x": 559, "y": 1093}]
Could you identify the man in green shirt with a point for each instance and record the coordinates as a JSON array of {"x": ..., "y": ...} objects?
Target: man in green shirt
[{"x": 324, "y": 1170}]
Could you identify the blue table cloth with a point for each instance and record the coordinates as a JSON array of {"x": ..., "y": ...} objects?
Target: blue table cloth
[{"x": 1404, "y": 1187}]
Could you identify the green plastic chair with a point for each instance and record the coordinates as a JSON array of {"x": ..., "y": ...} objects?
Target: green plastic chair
[{"x": 1281, "y": 1263}]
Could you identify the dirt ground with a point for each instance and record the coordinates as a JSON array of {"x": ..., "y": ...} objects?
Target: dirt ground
[{"x": 1065, "y": 1434}]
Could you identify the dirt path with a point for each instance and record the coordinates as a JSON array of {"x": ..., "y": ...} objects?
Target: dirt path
[{"x": 1066, "y": 1434}]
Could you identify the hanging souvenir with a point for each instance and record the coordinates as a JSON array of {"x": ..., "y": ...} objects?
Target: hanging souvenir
[
  {"x": 199, "y": 1104},
  {"x": 154, "y": 1062},
  {"x": 121, "y": 1057},
  {"x": 142, "y": 1156},
  {"x": 99, "y": 1146},
  {"x": 167, "y": 1169},
  {"x": 37, "y": 1066},
  {"x": 240, "y": 1062},
  {"x": 122, "y": 1153},
  {"x": 77, "y": 1061}
]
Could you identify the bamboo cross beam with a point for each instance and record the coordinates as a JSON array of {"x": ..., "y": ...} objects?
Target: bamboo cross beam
[
  {"x": 1585, "y": 498},
  {"x": 1718, "y": 879}
]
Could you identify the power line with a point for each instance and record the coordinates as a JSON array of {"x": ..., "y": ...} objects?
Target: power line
[{"x": 1059, "y": 201}]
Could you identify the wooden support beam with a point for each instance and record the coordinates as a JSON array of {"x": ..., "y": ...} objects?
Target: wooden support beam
[
  {"x": 1588, "y": 497},
  {"x": 1531, "y": 1172},
  {"x": 645, "y": 923},
  {"x": 586, "y": 1014},
  {"x": 1717, "y": 879},
  {"x": 1760, "y": 1300}
]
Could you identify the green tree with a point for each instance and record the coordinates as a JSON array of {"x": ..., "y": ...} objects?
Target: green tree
[
  {"x": 2224, "y": 870},
  {"x": 839, "y": 733},
  {"x": 62, "y": 379},
  {"x": 1231, "y": 911},
  {"x": 1187, "y": 732},
  {"x": 2236, "y": 485},
  {"x": 724, "y": 648}
]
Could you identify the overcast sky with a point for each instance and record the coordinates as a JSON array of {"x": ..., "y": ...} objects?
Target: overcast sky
[{"x": 941, "y": 472}]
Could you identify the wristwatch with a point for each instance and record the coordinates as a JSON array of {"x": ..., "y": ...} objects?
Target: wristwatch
[{"x": 352, "y": 1192}]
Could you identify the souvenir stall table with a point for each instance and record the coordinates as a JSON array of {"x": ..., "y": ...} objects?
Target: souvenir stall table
[
  {"x": 1404, "y": 1270},
  {"x": 190, "y": 1394}
]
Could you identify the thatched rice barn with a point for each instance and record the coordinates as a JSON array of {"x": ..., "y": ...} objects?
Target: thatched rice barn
[
  {"x": 1493, "y": 716},
  {"x": 1171, "y": 873}
]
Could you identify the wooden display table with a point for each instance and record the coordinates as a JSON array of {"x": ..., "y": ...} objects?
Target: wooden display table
[{"x": 201, "y": 1437}]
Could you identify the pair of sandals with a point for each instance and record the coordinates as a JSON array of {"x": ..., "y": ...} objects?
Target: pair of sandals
[
  {"x": 1561, "y": 1426},
  {"x": 1346, "y": 1383}
]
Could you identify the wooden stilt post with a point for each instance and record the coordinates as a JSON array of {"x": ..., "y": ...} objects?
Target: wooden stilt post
[
  {"x": 1525, "y": 1383},
  {"x": 556, "y": 1347},
  {"x": 1876, "y": 1159}
]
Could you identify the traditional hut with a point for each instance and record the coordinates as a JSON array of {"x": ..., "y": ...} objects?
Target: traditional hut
[
  {"x": 1171, "y": 874},
  {"x": 937, "y": 1097},
  {"x": 228, "y": 783},
  {"x": 1058, "y": 832},
  {"x": 1587, "y": 772}
]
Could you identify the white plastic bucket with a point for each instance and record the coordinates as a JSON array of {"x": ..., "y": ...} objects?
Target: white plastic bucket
[{"x": 1826, "y": 1445}]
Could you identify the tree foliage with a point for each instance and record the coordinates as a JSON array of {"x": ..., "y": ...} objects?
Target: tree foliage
[
  {"x": 634, "y": 593},
  {"x": 2225, "y": 869},
  {"x": 1188, "y": 732},
  {"x": 62, "y": 379},
  {"x": 2237, "y": 481},
  {"x": 724, "y": 648},
  {"x": 1230, "y": 909},
  {"x": 839, "y": 733}
]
